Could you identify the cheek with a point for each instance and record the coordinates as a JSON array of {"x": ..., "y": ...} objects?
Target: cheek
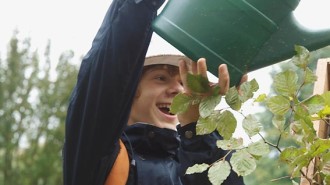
[{"x": 143, "y": 98}]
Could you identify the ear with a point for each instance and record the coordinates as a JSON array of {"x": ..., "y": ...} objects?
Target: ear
[{"x": 137, "y": 93}]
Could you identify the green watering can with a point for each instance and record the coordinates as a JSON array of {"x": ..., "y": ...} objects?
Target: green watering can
[{"x": 244, "y": 34}]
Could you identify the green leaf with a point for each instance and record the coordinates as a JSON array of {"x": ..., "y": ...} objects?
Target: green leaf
[
  {"x": 300, "y": 111},
  {"x": 219, "y": 172},
  {"x": 324, "y": 112},
  {"x": 289, "y": 154},
  {"x": 198, "y": 83},
  {"x": 296, "y": 158},
  {"x": 314, "y": 104},
  {"x": 226, "y": 124},
  {"x": 208, "y": 104},
  {"x": 215, "y": 90},
  {"x": 251, "y": 125},
  {"x": 232, "y": 98},
  {"x": 278, "y": 105},
  {"x": 180, "y": 103},
  {"x": 296, "y": 128},
  {"x": 298, "y": 163},
  {"x": 326, "y": 97},
  {"x": 205, "y": 125},
  {"x": 294, "y": 182},
  {"x": 309, "y": 132},
  {"x": 254, "y": 85},
  {"x": 301, "y": 59},
  {"x": 326, "y": 179},
  {"x": 326, "y": 157},
  {"x": 261, "y": 98},
  {"x": 310, "y": 77},
  {"x": 259, "y": 148},
  {"x": 197, "y": 168},
  {"x": 279, "y": 122},
  {"x": 319, "y": 146},
  {"x": 232, "y": 144},
  {"x": 243, "y": 163},
  {"x": 325, "y": 165},
  {"x": 248, "y": 89},
  {"x": 285, "y": 83}
]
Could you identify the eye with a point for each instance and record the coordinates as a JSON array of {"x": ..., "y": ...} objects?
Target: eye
[{"x": 161, "y": 78}]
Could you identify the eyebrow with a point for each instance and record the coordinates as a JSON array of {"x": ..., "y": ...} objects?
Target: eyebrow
[
  {"x": 169, "y": 69},
  {"x": 158, "y": 68}
]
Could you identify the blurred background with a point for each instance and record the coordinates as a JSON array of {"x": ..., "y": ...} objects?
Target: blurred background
[{"x": 41, "y": 46}]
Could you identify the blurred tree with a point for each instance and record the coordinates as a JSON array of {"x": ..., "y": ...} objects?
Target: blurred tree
[
  {"x": 33, "y": 103},
  {"x": 269, "y": 171}
]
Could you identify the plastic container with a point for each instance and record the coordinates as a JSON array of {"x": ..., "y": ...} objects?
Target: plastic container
[{"x": 246, "y": 35}]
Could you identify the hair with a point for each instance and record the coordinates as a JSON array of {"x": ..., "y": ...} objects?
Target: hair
[{"x": 173, "y": 70}]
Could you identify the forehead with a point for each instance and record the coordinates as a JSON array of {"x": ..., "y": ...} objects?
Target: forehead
[{"x": 172, "y": 70}]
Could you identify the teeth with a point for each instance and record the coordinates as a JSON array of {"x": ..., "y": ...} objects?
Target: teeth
[
  {"x": 163, "y": 105},
  {"x": 165, "y": 108}
]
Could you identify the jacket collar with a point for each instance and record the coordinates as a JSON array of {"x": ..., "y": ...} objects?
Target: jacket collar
[{"x": 149, "y": 140}]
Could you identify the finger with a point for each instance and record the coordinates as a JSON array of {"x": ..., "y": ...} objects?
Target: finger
[
  {"x": 193, "y": 67},
  {"x": 243, "y": 79},
  {"x": 224, "y": 78},
  {"x": 183, "y": 68},
  {"x": 202, "y": 67}
]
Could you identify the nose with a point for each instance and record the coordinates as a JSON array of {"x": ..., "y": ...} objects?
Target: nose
[{"x": 175, "y": 87}]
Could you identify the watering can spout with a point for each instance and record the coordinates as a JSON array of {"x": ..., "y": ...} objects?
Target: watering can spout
[{"x": 279, "y": 46}]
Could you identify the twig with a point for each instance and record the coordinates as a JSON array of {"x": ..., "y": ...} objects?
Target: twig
[{"x": 270, "y": 144}]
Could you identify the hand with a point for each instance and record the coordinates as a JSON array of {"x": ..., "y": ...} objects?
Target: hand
[
  {"x": 200, "y": 68},
  {"x": 224, "y": 79}
]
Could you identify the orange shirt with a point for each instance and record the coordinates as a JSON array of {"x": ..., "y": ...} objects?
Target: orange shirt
[{"x": 119, "y": 172}]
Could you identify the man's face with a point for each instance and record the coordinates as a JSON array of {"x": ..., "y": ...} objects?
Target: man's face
[{"x": 157, "y": 88}]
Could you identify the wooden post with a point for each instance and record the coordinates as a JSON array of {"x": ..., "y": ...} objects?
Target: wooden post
[{"x": 321, "y": 85}]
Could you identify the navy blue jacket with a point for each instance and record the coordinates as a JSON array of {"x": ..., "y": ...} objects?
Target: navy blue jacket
[{"x": 101, "y": 100}]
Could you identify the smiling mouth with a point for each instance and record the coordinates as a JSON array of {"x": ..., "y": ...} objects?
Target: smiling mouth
[{"x": 165, "y": 108}]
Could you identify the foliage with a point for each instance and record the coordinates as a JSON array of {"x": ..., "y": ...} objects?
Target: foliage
[
  {"x": 243, "y": 161},
  {"x": 33, "y": 101},
  {"x": 292, "y": 117},
  {"x": 269, "y": 171},
  {"x": 267, "y": 164}
]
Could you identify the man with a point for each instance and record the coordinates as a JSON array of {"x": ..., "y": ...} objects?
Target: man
[{"x": 113, "y": 103}]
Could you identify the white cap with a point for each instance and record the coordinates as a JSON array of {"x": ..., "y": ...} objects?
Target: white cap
[
  {"x": 158, "y": 54},
  {"x": 174, "y": 61},
  {"x": 166, "y": 59}
]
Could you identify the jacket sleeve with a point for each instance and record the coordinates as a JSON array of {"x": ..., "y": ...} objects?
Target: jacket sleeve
[
  {"x": 197, "y": 149},
  {"x": 108, "y": 76}
]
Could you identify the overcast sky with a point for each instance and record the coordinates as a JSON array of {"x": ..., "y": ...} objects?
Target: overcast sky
[
  {"x": 72, "y": 24},
  {"x": 69, "y": 24}
]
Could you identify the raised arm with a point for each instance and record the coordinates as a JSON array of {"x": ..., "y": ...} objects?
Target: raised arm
[{"x": 107, "y": 80}]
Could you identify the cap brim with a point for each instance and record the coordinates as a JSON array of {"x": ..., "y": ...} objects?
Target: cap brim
[
  {"x": 174, "y": 61},
  {"x": 165, "y": 59}
]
